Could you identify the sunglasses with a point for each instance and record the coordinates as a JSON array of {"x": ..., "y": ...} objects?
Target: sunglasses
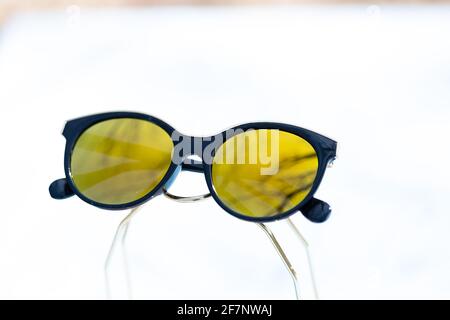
[{"x": 258, "y": 172}]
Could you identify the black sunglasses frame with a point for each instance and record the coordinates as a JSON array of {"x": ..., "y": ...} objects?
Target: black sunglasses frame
[{"x": 325, "y": 149}]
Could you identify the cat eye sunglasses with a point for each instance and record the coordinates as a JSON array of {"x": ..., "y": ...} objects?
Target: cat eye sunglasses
[{"x": 257, "y": 171}]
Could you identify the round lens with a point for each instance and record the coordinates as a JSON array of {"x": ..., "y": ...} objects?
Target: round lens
[
  {"x": 263, "y": 173},
  {"x": 119, "y": 161}
]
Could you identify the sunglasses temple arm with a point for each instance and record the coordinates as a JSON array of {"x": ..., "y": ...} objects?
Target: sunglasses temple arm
[
  {"x": 286, "y": 260},
  {"x": 305, "y": 244},
  {"x": 117, "y": 243},
  {"x": 283, "y": 257}
]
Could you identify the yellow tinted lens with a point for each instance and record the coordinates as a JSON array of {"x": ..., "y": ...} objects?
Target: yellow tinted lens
[
  {"x": 264, "y": 172},
  {"x": 120, "y": 160}
]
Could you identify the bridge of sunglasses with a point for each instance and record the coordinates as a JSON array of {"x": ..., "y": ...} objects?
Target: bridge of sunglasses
[{"x": 193, "y": 166}]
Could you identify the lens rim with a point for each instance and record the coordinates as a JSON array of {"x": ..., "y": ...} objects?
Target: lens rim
[
  {"x": 325, "y": 150},
  {"x": 75, "y": 128}
]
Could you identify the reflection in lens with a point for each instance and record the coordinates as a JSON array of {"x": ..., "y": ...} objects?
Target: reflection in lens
[
  {"x": 250, "y": 188},
  {"x": 118, "y": 161}
]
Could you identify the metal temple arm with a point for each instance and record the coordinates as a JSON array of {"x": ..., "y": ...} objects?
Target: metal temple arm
[
  {"x": 286, "y": 260},
  {"x": 118, "y": 242},
  {"x": 283, "y": 257},
  {"x": 122, "y": 230},
  {"x": 305, "y": 244}
]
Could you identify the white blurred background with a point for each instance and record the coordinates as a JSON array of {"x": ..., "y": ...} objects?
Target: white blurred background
[{"x": 375, "y": 78}]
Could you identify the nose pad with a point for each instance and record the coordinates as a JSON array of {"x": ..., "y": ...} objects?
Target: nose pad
[{"x": 181, "y": 198}]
